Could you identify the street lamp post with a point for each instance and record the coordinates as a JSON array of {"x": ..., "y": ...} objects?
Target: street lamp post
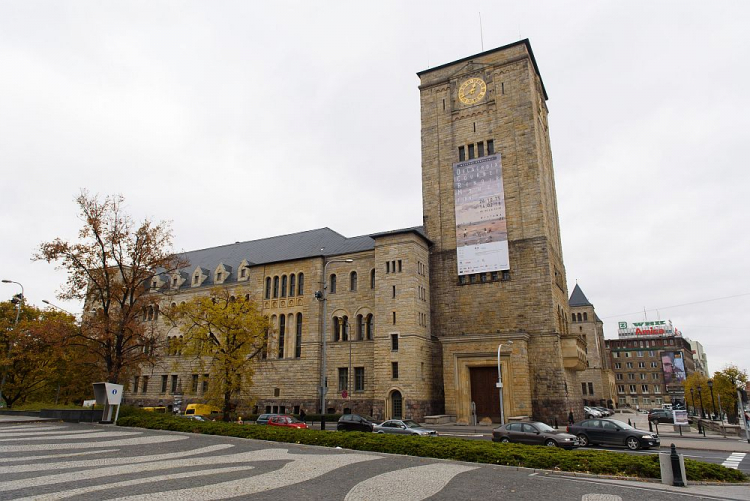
[
  {"x": 56, "y": 307},
  {"x": 500, "y": 383},
  {"x": 323, "y": 296},
  {"x": 19, "y": 305},
  {"x": 700, "y": 397},
  {"x": 713, "y": 403}
]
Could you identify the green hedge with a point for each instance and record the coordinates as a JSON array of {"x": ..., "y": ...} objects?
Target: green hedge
[{"x": 477, "y": 451}]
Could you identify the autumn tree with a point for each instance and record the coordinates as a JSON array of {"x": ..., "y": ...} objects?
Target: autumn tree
[
  {"x": 35, "y": 352},
  {"x": 726, "y": 383},
  {"x": 222, "y": 335},
  {"x": 691, "y": 384},
  {"x": 110, "y": 267}
]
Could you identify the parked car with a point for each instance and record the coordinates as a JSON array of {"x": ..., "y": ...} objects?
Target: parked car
[
  {"x": 590, "y": 412},
  {"x": 660, "y": 416},
  {"x": 404, "y": 427},
  {"x": 202, "y": 410},
  {"x": 193, "y": 417},
  {"x": 287, "y": 421},
  {"x": 263, "y": 418},
  {"x": 612, "y": 432},
  {"x": 534, "y": 433},
  {"x": 605, "y": 412},
  {"x": 354, "y": 422}
]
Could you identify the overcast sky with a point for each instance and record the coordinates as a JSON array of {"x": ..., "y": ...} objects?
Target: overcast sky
[{"x": 244, "y": 120}]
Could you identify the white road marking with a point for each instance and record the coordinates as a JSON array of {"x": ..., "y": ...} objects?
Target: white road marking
[
  {"x": 27, "y": 427},
  {"x": 49, "y": 432},
  {"x": 600, "y": 497},
  {"x": 301, "y": 468},
  {"x": 419, "y": 482},
  {"x": 96, "y": 434},
  {"x": 53, "y": 456},
  {"x": 112, "y": 461},
  {"x": 93, "y": 445},
  {"x": 128, "y": 483},
  {"x": 734, "y": 460},
  {"x": 459, "y": 435}
]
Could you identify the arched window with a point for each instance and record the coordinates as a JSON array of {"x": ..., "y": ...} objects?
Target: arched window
[
  {"x": 579, "y": 318},
  {"x": 332, "y": 288},
  {"x": 156, "y": 312},
  {"x": 353, "y": 281},
  {"x": 360, "y": 327},
  {"x": 336, "y": 329},
  {"x": 298, "y": 336},
  {"x": 283, "y": 286},
  {"x": 300, "y": 284},
  {"x": 292, "y": 283},
  {"x": 574, "y": 316},
  {"x": 585, "y": 317},
  {"x": 268, "y": 287},
  {"x": 264, "y": 348},
  {"x": 345, "y": 328},
  {"x": 150, "y": 313},
  {"x": 282, "y": 329},
  {"x": 372, "y": 278},
  {"x": 275, "y": 287},
  {"x": 369, "y": 327}
]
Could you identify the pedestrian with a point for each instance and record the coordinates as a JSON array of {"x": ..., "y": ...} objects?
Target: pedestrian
[
  {"x": 571, "y": 419},
  {"x": 302, "y": 415},
  {"x": 637, "y": 408}
]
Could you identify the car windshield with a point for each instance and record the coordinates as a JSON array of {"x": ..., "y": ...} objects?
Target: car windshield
[
  {"x": 411, "y": 424},
  {"x": 544, "y": 428},
  {"x": 294, "y": 420},
  {"x": 625, "y": 426}
]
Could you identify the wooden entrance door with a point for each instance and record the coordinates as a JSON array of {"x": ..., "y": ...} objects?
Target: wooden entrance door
[{"x": 484, "y": 393}]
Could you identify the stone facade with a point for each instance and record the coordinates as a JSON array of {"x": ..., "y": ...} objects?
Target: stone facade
[{"x": 434, "y": 343}]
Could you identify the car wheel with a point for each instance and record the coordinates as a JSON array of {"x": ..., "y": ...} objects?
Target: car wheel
[
  {"x": 584, "y": 440},
  {"x": 380, "y": 431},
  {"x": 505, "y": 440},
  {"x": 550, "y": 443},
  {"x": 633, "y": 443}
]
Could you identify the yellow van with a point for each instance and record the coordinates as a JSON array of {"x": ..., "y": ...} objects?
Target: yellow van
[{"x": 201, "y": 410}]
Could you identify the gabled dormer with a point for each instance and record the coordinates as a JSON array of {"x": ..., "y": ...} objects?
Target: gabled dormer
[
  {"x": 157, "y": 282},
  {"x": 243, "y": 271},
  {"x": 222, "y": 273},
  {"x": 198, "y": 276},
  {"x": 177, "y": 279}
]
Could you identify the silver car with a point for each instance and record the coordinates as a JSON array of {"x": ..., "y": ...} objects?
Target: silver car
[{"x": 404, "y": 427}]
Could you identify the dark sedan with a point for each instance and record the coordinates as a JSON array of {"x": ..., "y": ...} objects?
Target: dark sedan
[
  {"x": 612, "y": 432},
  {"x": 534, "y": 433},
  {"x": 660, "y": 416},
  {"x": 354, "y": 422}
]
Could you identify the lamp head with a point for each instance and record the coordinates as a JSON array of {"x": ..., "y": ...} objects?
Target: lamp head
[
  {"x": 7, "y": 281},
  {"x": 710, "y": 383},
  {"x": 45, "y": 301}
]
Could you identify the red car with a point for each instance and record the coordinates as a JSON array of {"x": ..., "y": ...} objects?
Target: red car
[{"x": 288, "y": 421}]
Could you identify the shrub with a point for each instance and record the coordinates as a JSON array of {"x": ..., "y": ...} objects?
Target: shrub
[{"x": 548, "y": 458}]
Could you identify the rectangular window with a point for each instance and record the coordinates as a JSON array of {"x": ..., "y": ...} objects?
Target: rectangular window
[
  {"x": 490, "y": 147},
  {"x": 632, "y": 388},
  {"x": 394, "y": 342},
  {"x": 640, "y": 354},
  {"x": 461, "y": 154},
  {"x": 644, "y": 388},
  {"x": 394, "y": 318},
  {"x": 394, "y": 291},
  {"x": 658, "y": 401},
  {"x": 505, "y": 275},
  {"x": 387, "y": 266},
  {"x": 657, "y": 388},
  {"x": 194, "y": 386},
  {"x": 654, "y": 364},
  {"x": 205, "y": 383},
  {"x": 583, "y": 388},
  {"x": 174, "y": 383},
  {"x": 144, "y": 388},
  {"x": 164, "y": 380},
  {"x": 651, "y": 353},
  {"x": 620, "y": 388},
  {"x": 394, "y": 370},
  {"x": 627, "y": 354},
  {"x": 619, "y": 377},
  {"x": 644, "y": 375},
  {"x": 343, "y": 378},
  {"x": 399, "y": 266},
  {"x": 359, "y": 379},
  {"x": 618, "y": 365},
  {"x": 631, "y": 376},
  {"x": 655, "y": 376},
  {"x": 591, "y": 388},
  {"x": 641, "y": 365},
  {"x": 480, "y": 149},
  {"x": 629, "y": 365},
  {"x": 471, "y": 151},
  {"x": 135, "y": 384}
]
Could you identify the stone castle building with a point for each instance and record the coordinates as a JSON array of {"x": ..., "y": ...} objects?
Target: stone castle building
[
  {"x": 598, "y": 380},
  {"x": 421, "y": 318}
]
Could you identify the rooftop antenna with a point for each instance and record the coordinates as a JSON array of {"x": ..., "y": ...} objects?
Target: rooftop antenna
[
  {"x": 645, "y": 316},
  {"x": 481, "y": 34}
]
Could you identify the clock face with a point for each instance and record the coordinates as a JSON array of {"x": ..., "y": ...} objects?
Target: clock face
[{"x": 472, "y": 90}]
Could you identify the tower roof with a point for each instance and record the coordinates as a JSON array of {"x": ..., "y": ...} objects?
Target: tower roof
[{"x": 578, "y": 298}]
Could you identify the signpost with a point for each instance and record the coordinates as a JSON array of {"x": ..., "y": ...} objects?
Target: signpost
[{"x": 680, "y": 418}]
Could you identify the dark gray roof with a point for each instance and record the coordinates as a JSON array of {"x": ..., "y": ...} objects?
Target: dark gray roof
[
  {"x": 323, "y": 242},
  {"x": 578, "y": 298}
]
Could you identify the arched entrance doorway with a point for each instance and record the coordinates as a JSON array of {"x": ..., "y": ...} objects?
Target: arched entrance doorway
[{"x": 397, "y": 405}]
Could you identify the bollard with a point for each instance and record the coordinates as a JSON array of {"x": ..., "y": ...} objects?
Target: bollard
[
  {"x": 322, "y": 421},
  {"x": 650, "y": 427},
  {"x": 629, "y": 423},
  {"x": 676, "y": 470},
  {"x": 556, "y": 423}
]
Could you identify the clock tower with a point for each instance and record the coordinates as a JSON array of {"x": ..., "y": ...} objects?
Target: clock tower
[{"x": 497, "y": 278}]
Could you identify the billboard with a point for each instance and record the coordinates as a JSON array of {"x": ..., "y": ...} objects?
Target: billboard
[
  {"x": 654, "y": 329},
  {"x": 481, "y": 230},
  {"x": 673, "y": 366}
]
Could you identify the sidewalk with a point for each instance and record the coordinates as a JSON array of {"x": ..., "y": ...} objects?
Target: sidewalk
[{"x": 6, "y": 419}]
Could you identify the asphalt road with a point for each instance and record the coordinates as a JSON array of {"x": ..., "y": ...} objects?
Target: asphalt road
[{"x": 89, "y": 461}]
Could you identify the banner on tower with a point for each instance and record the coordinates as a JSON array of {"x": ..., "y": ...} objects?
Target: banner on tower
[{"x": 481, "y": 231}]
